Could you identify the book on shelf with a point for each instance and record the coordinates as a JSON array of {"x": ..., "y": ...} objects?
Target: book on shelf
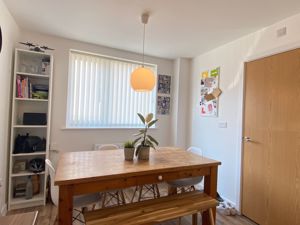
[{"x": 25, "y": 89}]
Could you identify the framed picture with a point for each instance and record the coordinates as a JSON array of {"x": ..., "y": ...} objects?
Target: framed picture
[
  {"x": 163, "y": 105},
  {"x": 19, "y": 166},
  {"x": 164, "y": 84}
]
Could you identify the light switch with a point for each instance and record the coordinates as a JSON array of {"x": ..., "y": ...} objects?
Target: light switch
[{"x": 222, "y": 124}]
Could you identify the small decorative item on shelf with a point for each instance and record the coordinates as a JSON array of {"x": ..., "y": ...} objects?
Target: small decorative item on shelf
[
  {"x": 37, "y": 165},
  {"x": 19, "y": 166},
  {"x": 129, "y": 150},
  {"x": 45, "y": 66},
  {"x": 29, "y": 189},
  {"x": 19, "y": 190},
  {"x": 35, "y": 179},
  {"x": 144, "y": 140}
]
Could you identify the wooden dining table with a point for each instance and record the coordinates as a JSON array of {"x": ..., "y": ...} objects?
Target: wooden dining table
[{"x": 86, "y": 172}]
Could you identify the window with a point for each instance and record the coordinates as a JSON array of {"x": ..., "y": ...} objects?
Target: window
[{"x": 100, "y": 95}]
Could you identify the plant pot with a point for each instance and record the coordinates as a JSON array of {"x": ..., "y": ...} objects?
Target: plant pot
[
  {"x": 129, "y": 153},
  {"x": 144, "y": 153}
]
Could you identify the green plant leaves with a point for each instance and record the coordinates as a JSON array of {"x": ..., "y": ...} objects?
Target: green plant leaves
[
  {"x": 137, "y": 150},
  {"x": 141, "y": 118},
  {"x": 152, "y": 139},
  {"x": 128, "y": 144},
  {"x": 142, "y": 138},
  {"x": 149, "y": 117},
  {"x": 152, "y": 123},
  {"x": 136, "y": 140}
]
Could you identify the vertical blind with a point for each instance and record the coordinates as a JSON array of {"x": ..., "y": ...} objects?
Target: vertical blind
[{"x": 100, "y": 95}]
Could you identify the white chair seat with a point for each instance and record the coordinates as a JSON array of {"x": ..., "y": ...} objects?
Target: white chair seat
[
  {"x": 85, "y": 200},
  {"x": 185, "y": 182},
  {"x": 190, "y": 181}
]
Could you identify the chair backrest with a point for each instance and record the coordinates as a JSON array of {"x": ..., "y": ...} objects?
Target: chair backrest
[
  {"x": 54, "y": 189},
  {"x": 195, "y": 150},
  {"x": 107, "y": 147}
]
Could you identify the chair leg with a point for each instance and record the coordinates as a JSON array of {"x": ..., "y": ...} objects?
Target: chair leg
[
  {"x": 134, "y": 193},
  {"x": 195, "y": 219},
  {"x": 122, "y": 197},
  {"x": 157, "y": 190},
  {"x": 140, "y": 193},
  {"x": 104, "y": 199},
  {"x": 118, "y": 197},
  {"x": 211, "y": 217}
]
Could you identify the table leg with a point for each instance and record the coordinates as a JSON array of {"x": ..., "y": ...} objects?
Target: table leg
[
  {"x": 210, "y": 188},
  {"x": 65, "y": 205},
  {"x": 172, "y": 190},
  {"x": 195, "y": 219}
]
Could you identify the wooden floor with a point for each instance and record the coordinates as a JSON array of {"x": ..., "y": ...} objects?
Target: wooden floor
[{"x": 47, "y": 216}]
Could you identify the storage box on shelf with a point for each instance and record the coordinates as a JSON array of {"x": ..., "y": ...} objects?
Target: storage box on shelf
[{"x": 30, "y": 133}]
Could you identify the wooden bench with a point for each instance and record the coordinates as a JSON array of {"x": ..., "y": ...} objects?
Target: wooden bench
[{"x": 154, "y": 211}]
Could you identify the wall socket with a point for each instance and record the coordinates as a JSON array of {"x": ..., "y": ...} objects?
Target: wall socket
[
  {"x": 281, "y": 32},
  {"x": 222, "y": 124}
]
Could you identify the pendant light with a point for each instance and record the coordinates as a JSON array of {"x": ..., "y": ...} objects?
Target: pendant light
[{"x": 143, "y": 79}]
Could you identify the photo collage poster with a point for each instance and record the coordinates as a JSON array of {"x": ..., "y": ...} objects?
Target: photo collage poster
[
  {"x": 163, "y": 94},
  {"x": 209, "y": 92}
]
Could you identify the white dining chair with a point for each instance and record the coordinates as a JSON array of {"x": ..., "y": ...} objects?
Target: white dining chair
[
  {"x": 187, "y": 184},
  {"x": 109, "y": 197},
  {"x": 79, "y": 202}
]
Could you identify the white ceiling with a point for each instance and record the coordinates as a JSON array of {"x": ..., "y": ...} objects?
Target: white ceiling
[{"x": 176, "y": 28}]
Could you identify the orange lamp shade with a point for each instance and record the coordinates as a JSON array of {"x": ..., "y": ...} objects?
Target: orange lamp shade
[{"x": 142, "y": 79}]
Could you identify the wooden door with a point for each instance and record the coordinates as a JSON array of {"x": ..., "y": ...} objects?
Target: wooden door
[{"x": 271, "y": 149}]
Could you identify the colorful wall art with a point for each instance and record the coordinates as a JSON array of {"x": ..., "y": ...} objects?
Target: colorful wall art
[
  {"x": 164, "y": 84},
  {"x": 163, "y": 94},
  {"x": 209, "y": 92},
  {"x": 163, "y": 105}
]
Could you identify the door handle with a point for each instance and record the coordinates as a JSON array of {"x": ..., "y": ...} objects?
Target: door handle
[{"x": 247, "y": 139}]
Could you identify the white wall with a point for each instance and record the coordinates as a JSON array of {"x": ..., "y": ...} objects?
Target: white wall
[
  {"x": 180, "y": 102},
  {"x": 224, "y": 144},
  {"x": 74, "y": 140},
  {"x": 9, "y": 37}
]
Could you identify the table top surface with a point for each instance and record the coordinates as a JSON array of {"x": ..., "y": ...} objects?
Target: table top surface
[{"x": 86, "y": 166}]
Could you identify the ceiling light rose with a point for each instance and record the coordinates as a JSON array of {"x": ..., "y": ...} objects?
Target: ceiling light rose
[{"x": 143, "y": 79}]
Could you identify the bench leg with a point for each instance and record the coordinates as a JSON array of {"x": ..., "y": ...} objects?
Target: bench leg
[
  {"x": 179, "y": 221},
  {"x": 195, "y": 219},
  {"x": 211, "y": 217}
]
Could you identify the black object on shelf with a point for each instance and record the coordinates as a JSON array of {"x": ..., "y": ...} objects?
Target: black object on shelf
[
  {"x": 34, "y": 119},
  {"x": 28, "y": 144}
]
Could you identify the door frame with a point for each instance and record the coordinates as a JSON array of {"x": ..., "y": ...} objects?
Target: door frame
[{"x": 240, "y": 143}]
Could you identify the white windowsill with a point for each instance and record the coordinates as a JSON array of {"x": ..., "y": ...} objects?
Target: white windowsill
[{"x": 106, "y": 128}]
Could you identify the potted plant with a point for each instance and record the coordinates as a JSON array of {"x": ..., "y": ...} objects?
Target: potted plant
[
  {"x": 129, "y": 150},
  {"x": 144, "y": 141}
]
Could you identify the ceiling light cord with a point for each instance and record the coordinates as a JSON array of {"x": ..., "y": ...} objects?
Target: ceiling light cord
[{"x": 144, "y": 45}]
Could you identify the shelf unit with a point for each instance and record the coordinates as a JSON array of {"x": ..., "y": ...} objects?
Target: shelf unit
[{"x": 29, "y": 66}]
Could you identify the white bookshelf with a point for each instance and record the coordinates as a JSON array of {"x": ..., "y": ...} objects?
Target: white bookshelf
[{"x": 28, "y": 65}]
